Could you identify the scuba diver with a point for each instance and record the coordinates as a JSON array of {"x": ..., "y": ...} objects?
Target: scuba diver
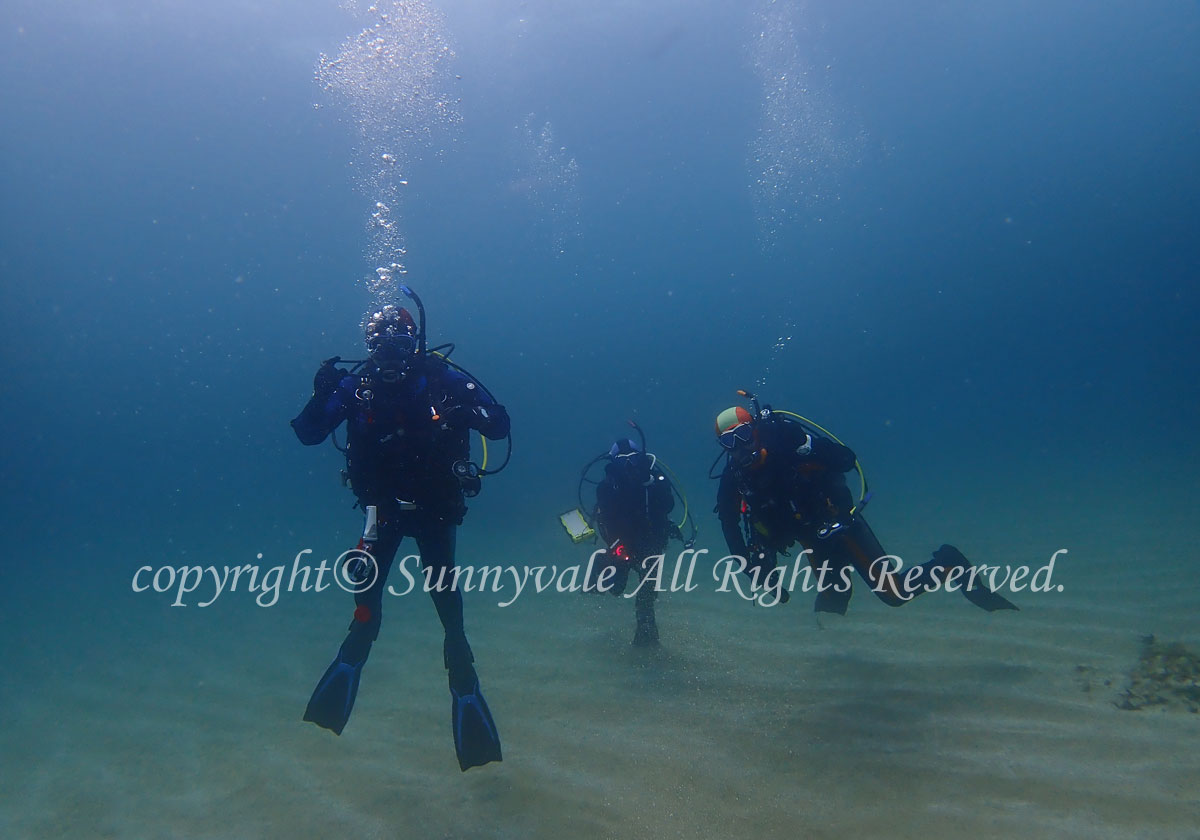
[
  {"x": 784, "y": 482},
  {"x": 634, "y": 501},
  {"x": 408, "y": 412}
]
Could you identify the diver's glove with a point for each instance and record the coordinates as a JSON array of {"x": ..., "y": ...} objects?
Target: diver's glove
[
  {"x": 677, "y": 532},
  {"x": 463, "y": 417},
  {"x": 327, "y": 378},
  {"x": 760, "y": 556}
]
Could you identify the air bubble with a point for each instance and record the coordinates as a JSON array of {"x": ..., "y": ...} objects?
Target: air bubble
[
  {"x": 549, "y": 178},
  {"x": 393, "y": 77},
  {"x": 801, "y": 147}
]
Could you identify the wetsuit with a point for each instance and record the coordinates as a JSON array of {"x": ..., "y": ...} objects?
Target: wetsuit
[
  {"x": 633, "y": 509},
  {"x": 793, "y": 490},
  {"x": 403, "y": 438}
]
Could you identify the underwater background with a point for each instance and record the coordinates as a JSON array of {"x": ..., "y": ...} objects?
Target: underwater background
[{"x": 961, "y": 236}]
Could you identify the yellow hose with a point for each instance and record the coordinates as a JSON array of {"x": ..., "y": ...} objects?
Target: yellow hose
[
  {"x": 678, "y": 487},
  {"x": 482, "y": 439}
]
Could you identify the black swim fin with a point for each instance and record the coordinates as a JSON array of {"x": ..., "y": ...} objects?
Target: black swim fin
[
  {"x": 986, "y": 599},
  {"x": 476, "y": 740},
  {"x": 334, "y": 695},
  {"x": 978, "y": 594}
]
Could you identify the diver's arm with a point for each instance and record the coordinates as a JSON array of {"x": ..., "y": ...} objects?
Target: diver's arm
[
  {"x": 605, "y": 506},
  {"x": 490, "y": 420},
  {"x": 729, "y": 512},
  {"x": 664, "y": 497},
  {"x": 475, "y": 409},
  {"x": 662, "y": 505},
  {"x": 325, "y": 410},
  {"x": 759, "y": 560},
  {"x": 834, "y": 456}
]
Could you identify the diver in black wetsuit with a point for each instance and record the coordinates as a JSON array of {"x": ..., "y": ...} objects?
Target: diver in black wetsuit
[
  {"x": 408, "y": 414},
  {"x": 634, "y": 501},
  {"x": 784, "y": 484}
]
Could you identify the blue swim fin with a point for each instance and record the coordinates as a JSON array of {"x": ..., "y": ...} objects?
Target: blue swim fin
[
  {"x": 476, "y": 740},
  {"x": 334, "y": 695}
]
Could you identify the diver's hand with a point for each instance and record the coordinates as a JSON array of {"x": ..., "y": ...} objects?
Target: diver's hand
[
  {"x": 777, "y": 594},
  {"x": 327, "y": 378},
  {"x": 761, "y": 564},
  {"x": 461, "y": 417}
]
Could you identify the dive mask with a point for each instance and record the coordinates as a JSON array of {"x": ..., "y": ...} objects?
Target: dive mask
[{"x": 743, "y": 433}]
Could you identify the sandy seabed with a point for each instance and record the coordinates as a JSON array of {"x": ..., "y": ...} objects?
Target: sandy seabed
[{"x": 934, "y": 720}]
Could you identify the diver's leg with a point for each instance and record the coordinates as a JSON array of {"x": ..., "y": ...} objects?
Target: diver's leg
[
  {"x": 436, "y": 542},
  {"x": 859, "y": 544},
  {"x": 833, "y": 583},
  {"x": 333, "y": 698},
  {"x": 592, "y": 577},
  {"x": 476, "y": 740},
  {"x": 620, "y": 578},
  {"x": 646, "y": 634}
]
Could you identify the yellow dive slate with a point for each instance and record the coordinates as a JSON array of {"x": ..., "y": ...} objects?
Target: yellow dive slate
[{"x": 576, "y": 525}]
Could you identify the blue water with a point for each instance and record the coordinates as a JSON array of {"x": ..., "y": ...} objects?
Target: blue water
[{"x": 975, "y": 259}]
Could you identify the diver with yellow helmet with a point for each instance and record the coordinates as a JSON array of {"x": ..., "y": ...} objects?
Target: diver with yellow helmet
[{"x": 784, "y": 482}]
